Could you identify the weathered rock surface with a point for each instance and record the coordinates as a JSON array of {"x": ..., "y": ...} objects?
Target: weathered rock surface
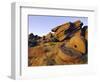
[{"x": 66, "y": 44}]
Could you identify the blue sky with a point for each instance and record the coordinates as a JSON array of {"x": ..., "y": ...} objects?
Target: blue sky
[{"x": 41, "y": 25}]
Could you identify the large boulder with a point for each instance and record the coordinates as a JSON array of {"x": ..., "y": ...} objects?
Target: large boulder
[{"x": 67, "y": 30}]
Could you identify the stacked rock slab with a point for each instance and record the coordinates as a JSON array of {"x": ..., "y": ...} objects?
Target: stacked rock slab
[{"x": 65, "y": 30}]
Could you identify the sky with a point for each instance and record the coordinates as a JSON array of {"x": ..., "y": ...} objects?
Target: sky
[{"x": 42, "y": 25}]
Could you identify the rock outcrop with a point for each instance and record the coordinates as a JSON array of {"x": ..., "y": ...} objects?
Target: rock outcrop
[{"x": 65, "y": 44}]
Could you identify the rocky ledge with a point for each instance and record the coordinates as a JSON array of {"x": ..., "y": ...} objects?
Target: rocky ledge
[{"x": 65, "y": 44}]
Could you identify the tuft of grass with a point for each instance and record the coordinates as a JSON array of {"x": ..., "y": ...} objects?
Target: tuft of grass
[{"x": 53, "y": 43}]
